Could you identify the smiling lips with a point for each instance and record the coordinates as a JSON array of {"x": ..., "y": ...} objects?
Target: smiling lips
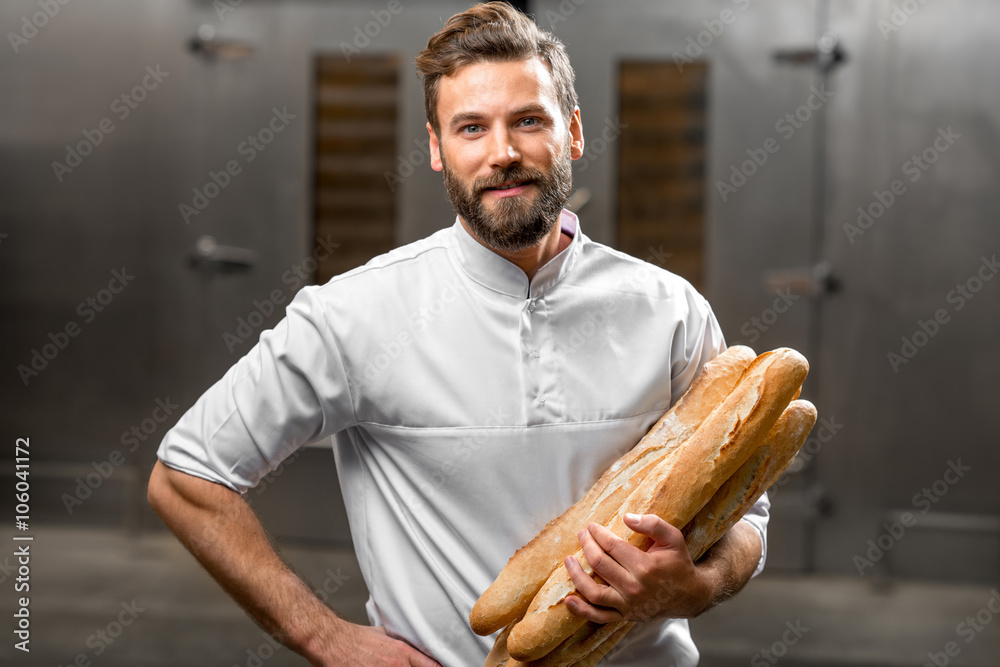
[{"x": 510, "y": 189}]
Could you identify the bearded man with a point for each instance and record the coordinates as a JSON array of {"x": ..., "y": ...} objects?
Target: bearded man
[{"x": 475, "y": 383}]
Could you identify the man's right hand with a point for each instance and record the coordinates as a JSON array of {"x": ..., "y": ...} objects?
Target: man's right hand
[
  {"x": 226, "y": 537},
  {"x": 372, "y": 646}
]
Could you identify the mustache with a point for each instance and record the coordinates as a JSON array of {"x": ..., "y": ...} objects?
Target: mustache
[{"x": 512, "y": 173}]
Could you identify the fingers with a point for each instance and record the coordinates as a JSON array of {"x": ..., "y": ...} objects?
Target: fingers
[
  {"x": 588, "y": 611},
  {"x": 418, "y": 659},
  {"x": 614, "y": 560},
  {"x": 662, "y": 533},
  {"x": 591, "y": 591},
  {"x": 388, "y": 650},
  {"x": 631, "y": 574},
  {"x": 611, "y": 557},
  {"x": 415, "y": 657}
]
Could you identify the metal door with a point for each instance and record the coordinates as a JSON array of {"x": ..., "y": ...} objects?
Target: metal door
[
  {"x": 866, "y": 239},
  {"x": 908, "y": 355},
  {"x": 769, "y": 99},
  {"x": 117, "y": 125}
]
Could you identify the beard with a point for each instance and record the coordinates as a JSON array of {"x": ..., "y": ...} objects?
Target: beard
[{"x": 517, "y": 222}]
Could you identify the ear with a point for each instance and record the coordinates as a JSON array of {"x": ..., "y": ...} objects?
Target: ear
[
  {"x": 576, "y": 134},
  {"x": 435, "y": 149}
]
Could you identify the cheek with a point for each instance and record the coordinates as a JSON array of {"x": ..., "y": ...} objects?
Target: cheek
[
  {"x": 547, "y": 152},
  {"x": 465, "y": 161}
]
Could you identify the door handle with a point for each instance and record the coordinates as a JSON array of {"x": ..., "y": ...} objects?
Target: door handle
[
  {"x": 806, "y": 281},
  {"x": 826, "y": 55},
  {"x": 207, "y": 255}
]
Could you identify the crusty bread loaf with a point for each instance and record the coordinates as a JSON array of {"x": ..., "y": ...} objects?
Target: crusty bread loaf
[
  {"x": 742, "y": 490},
  {"x": 510, "y": 594},
  {"x": 498, "y": 656},
  {"x": 733, "y": 499},
  {"x": 581, "y": 644},
  {"x": 593, "y": 642},
  {"x": 677, "y": 489},
  {"x": 595, "y": 656}
]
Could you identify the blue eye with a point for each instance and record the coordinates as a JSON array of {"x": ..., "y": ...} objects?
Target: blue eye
[{"x": 471, "y": 129}]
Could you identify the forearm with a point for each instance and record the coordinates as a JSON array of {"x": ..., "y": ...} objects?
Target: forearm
[
  {"x": 730, "y": 563},
  {"x": 226, "y": 537}
]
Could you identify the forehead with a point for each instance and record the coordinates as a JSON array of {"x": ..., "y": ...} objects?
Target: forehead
[{"x": 491, "y": 88}]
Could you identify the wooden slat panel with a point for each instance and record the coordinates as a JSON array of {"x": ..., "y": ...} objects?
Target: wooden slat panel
[
  {"x": 373, "y": 182},
  {"x": 357, "y": 96},
  {"x": 328, "y": 113},
  {"x": 333, "y": 197},
  {"x": 661, "y": 170},
  {"x": 671, "y": 167},
  {"x": 363, "y": 127},
  {"x": 381, "y": 69},
  {"x": 365, "y": 212},
  {"x": 350, "y": 164},
  {"x": 661, "y": 77},
  {"x": 358, "y": 145},
  {"x": 356, "y": 118},
  {"x": 631, "y": 213},
  {"x": 660, "y": 193},
  {"x": 354, "y": 228},
  {"x": 678, "y": 226}
]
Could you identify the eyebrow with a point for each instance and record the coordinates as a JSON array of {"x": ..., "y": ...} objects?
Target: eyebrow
[{"x": 467, "y": 116}]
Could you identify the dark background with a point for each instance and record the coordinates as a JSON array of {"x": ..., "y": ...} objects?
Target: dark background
[{"x": 885, "y": 81}]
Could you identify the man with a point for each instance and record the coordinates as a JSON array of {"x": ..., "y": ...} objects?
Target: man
[{"x": 475, "y": 382}]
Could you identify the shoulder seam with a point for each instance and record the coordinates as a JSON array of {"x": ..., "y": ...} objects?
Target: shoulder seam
[{"x": 360, "y": 270}]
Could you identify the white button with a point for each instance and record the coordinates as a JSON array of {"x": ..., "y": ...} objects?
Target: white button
[
  {"x": 534, "y": 353},
  {"x": 541, "y": 398},
  {"x": 531, "y": 307}
]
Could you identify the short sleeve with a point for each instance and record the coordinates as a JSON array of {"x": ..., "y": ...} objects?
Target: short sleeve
[
  {"x": 757, "y": 516},
  {"x": 697, "y": 340},
  {"x": 290, "y": 389}
]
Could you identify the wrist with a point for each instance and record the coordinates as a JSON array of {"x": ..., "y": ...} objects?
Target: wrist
[
  {"x": 325, "y": 641},
  {"x": 319, "y": 633},
  {"x": 709, "y": 582}
]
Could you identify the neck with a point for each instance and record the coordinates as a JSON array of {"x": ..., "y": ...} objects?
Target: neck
[{"x": 534, "y": 257}]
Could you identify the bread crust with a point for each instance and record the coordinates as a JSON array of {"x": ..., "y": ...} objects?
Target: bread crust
[
  {"x": 585, "y": 642},
  {"x": 509, "y": 596},
  {"x": 595, "y": 656},
  {"x": 733, "y": 500},
  {"x": 677, "y": 488},
  {"x": 743, "y": 489},
  {"x": 498, "y": 656}
]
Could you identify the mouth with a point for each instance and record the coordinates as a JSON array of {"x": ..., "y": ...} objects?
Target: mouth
[{"x": 510, "y": 188}]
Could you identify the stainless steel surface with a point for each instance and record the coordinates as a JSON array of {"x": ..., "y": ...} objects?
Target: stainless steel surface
[
  {"x": 907, "y": 85},
  {"x": 172, "y": 331},
  {"x": 208, "y": 255},
  {"x": 890, "y": 433}
]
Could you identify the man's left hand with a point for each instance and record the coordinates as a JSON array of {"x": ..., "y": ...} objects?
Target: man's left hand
[{"x": 660, "y": 582}]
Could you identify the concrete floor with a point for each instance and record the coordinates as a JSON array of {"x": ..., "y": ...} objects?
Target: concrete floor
[{"x": 83, "y": 580}]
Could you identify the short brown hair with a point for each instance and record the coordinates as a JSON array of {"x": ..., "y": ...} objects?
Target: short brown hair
[{"x": 492, "y": 32}]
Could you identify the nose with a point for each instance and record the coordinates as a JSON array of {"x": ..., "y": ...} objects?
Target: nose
[{"x": 503, "y": 149}]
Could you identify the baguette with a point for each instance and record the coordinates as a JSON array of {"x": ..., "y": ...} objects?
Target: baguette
[
  {"x": 742, "y": 490},
  {"x": 677, "y": 489},
  {"x": 597, "y": 643},
  {"x": 582, "y": 643},
  {"x": 509, "y": 595},
  {"x": 605, "y": 647},
  {"x": 733, "y": 499},
  {"x": 498, "y": 656}
]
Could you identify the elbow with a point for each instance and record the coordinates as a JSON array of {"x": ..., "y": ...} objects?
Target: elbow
[{"x": 157, "y": 490}]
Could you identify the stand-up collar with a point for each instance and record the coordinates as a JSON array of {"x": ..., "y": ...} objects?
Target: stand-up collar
[{"x": 491, "y": 270}]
